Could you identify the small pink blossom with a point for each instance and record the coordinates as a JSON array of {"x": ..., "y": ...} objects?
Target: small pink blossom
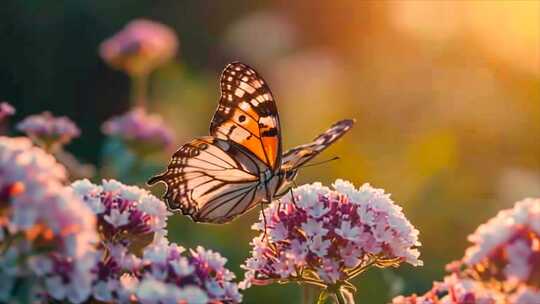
[
  {"x": 140, "y": 47},
  {"x": 143, "y": 132},
  {"x": 49, "y": 131}
]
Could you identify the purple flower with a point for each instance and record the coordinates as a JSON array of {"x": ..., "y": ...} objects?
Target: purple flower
[
  {"x": 198, "y": 276},
  {"x": 48, "y": 131},
  {"x": 507, "y": 247},
  {"x": 143, "y": 132},
  {"x": 49, "y": 232},
  {"x": 6, "y": 110},
  {"x": 166, "y": 274},
  {"x": 326, "y": 237},
  {"x": 127, "y": 216},
  {"x": 501, "y": 267},
  {"x": 140, "y": 47}
]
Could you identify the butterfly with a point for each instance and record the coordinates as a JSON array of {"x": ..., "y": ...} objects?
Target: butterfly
[{"x": 216, "y": 178}]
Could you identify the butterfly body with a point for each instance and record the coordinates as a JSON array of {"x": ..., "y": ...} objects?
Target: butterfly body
[{"x": 216, "y": 178}]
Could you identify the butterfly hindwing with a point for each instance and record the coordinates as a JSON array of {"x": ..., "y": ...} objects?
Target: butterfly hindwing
[
  {"x": 211, "y": 180},
  {"x": 300, "y": 155},
  {"x": 247, "y": 114}
]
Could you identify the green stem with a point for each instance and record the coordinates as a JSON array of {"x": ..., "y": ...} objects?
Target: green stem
[{"x": 139, "y": 90}]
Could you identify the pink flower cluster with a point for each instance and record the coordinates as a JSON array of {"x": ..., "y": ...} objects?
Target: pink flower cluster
[
  {"x": 502, "y": 266},
  {"x": 326, "y": 236},
  {"x": 197, "y": 277},
  {"x": 49, "y": 131},
  {"x": 456, "y": 290},
  {"x": 507, "y": 247},
  {"x": 47, "y": 234},
  {"x": 140, "y": 47},
  {"x": 126, "y": 215},
  {"x": 143, "y": 132},
  {"x": 138, "y": 263}
]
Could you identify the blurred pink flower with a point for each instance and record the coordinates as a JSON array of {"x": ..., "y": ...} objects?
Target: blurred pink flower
[
  {"x": 50, "y": 232},
  {"x": 327, "y": 237},
  {"x": 143, "y": 132},
  {"x": 455, "y": 290},
  {"x": 140, "y": 47},
  {"x": 507, "y": 247},
  {"x": 48, "y": 131},
  {"x": 6, "y": 110}
]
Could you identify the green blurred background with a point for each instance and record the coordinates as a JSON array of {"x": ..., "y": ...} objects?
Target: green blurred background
[{"x": 446, "y": 95}]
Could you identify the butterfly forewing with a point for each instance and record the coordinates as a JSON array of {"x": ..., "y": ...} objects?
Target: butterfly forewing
[
  {"x": 247, "y": 114},
  {"x": 300, "y": 155}
]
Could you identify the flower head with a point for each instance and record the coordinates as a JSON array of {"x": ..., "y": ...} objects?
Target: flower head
[
  {"x": 199, "y": 275},
  {"x": 326, "y": 236},
  {"x": 507, "y": 247},
  {"x": 50, "y": 231},
  {"x": 140, "y": 130},
  {"x": 48, "y": 131},
  {"x": 140, "y": 47},
  {"x": 127, "y": 216}
]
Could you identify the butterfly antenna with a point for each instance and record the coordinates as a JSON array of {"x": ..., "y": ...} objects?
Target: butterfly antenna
[{"x": 321, "y": 162}]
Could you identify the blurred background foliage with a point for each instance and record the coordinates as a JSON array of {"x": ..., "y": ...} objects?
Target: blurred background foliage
[{"x": 446, "y": 95}]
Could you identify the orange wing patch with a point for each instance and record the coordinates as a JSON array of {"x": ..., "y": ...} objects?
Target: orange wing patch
[{"x": 247, "y": 114}]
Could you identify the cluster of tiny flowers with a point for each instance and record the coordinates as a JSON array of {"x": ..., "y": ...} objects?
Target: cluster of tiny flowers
[
  {"x": 6, "y": 110},
  {"x": 199, "y": 276},
  {"x": 328, "y": 236},
  {"x": 140, "y": 130},
  {"x": 128, "y": 219},
  {"x": 47, "y": 234},
  {"x": 138, "y": 263},
  {"x": 507, "y": 247},
  {"x": 49, "y": 131},
  {"x": 502, "y": 266},
  {"x": 126, "y": 215},
  {"x": 140, "y": 47},
  {"x": 456, "y": 290}
]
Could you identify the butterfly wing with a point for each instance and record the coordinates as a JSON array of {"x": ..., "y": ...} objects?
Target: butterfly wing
[
  {"x": 211, "y": 180},
  {"x": 300, "y": 155},
  {"x": 247, "y": 114}
]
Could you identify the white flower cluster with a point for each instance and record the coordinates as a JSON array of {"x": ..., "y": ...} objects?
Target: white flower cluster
[
  {"x": 138, "y": 262},
  {"x": 48, "y": 234}
]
